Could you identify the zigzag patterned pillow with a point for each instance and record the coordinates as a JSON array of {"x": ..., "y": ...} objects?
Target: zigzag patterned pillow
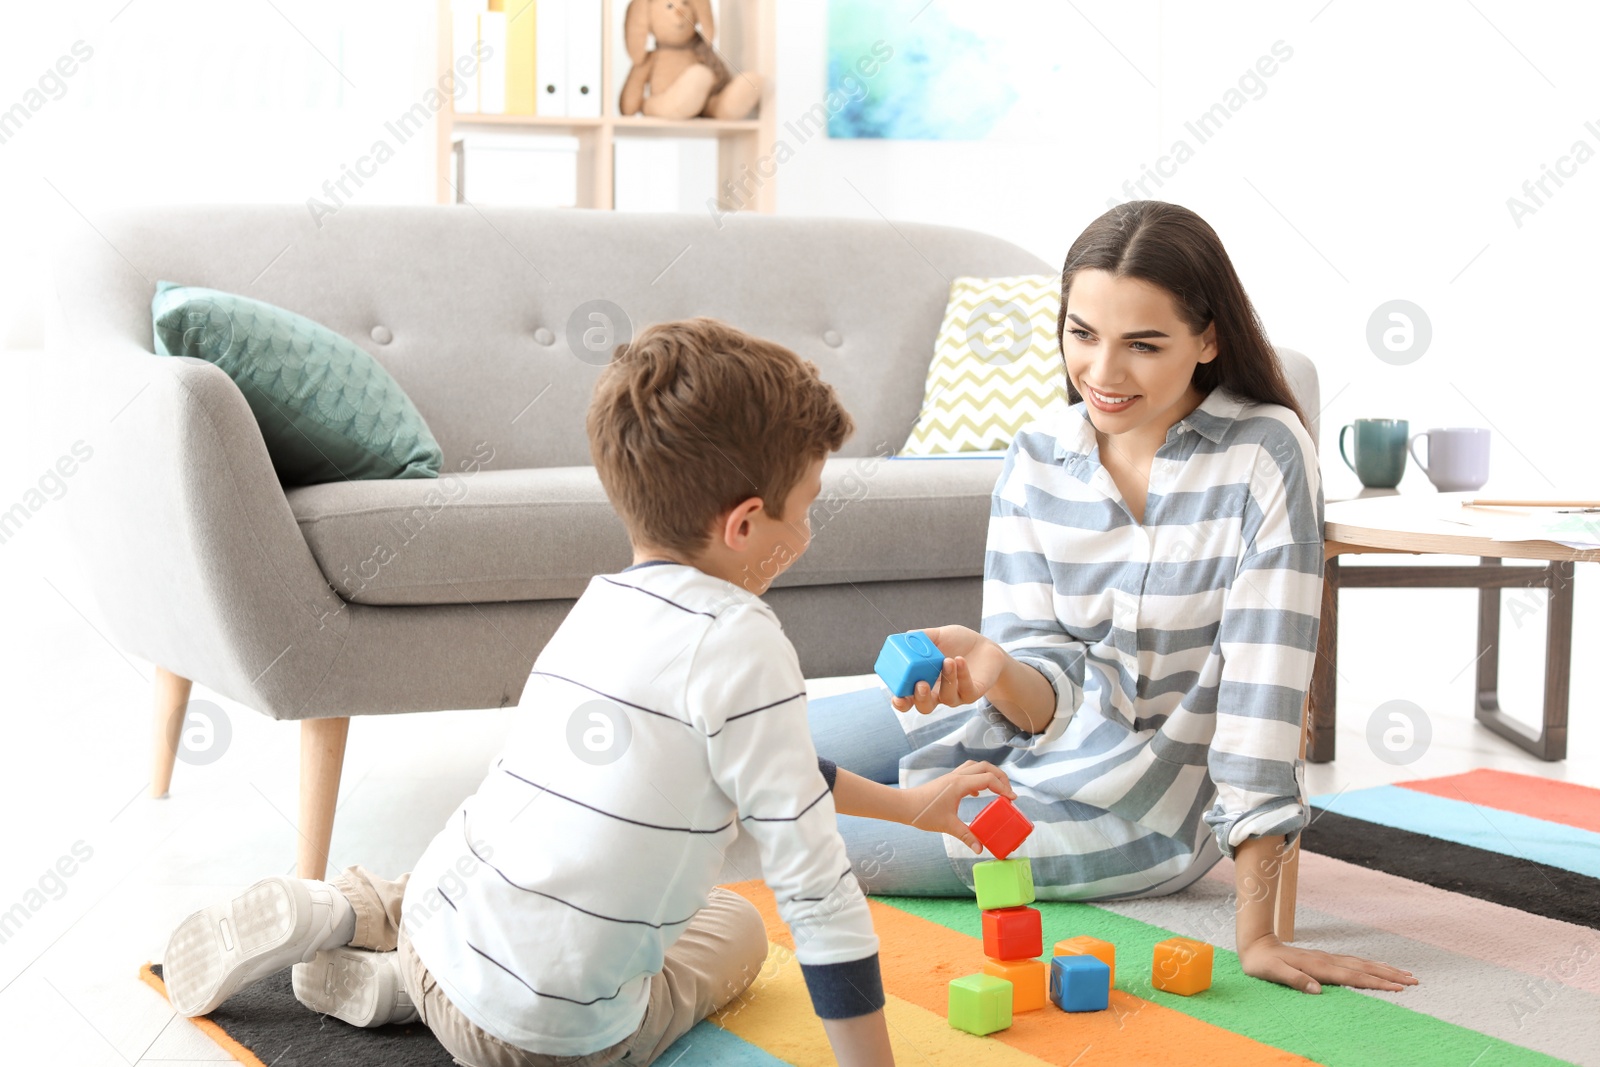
[{"x": 996, "y": 366}]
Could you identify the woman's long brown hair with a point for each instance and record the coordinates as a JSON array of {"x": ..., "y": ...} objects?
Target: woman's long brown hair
[{"x": 1172, "y": 247}]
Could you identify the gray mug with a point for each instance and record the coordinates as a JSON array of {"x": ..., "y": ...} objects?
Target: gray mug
[{"x": 1458, "y": 457}]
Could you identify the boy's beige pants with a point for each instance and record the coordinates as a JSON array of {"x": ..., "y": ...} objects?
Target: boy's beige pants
[{"x": 715, "y": 959}]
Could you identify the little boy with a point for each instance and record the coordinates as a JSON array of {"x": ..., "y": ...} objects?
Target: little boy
[{"x": 567, "y": 913}]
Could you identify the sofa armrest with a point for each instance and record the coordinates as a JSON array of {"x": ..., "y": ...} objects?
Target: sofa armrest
[{"x": 184, "y": 533}]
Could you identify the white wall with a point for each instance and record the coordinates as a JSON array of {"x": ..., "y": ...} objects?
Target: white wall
[
  {"x": 1377, "y": 165},
  {"x": 187, "y": 101}
]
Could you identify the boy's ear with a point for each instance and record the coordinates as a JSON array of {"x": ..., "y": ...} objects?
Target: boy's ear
[{"x": 735, "y": 530}]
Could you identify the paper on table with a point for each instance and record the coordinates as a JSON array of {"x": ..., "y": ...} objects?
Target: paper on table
[{"x": 1578, "y": 530}]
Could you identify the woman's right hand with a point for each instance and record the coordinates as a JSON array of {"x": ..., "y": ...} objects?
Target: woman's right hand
[{"x": 972, "y": 665}]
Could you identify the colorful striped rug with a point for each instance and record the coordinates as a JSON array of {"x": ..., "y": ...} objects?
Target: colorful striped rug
[{"x": 1486, "y": 885}]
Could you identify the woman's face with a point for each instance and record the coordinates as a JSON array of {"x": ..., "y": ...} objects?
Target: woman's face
[{"x": 1123, "y": 339}]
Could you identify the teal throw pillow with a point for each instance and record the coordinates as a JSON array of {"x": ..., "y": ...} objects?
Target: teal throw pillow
[{"x": 327, "y": 410}]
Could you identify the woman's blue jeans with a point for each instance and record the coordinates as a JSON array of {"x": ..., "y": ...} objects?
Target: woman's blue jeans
[{"x": 860, "y": 732}]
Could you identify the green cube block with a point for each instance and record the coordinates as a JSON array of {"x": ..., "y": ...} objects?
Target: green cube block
[
  {"x": 980, "y": 1004},
  {"x": 1003, "y": 883}
]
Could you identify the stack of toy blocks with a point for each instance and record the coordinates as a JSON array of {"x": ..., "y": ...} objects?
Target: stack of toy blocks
[
  {"x": 1013, "y": 978},
  {"x": 1081, "y": 970}
]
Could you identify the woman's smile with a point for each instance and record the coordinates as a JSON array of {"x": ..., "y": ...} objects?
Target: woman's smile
[{"x": 1110, "y": 401}]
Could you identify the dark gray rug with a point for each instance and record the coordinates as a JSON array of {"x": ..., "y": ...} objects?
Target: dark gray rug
[{"x": 265, "y": 1025}]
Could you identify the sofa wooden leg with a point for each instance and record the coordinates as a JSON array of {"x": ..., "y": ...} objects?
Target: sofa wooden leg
[
  {"x": 321, "y": 761},
  {"x": 171, "y": 705}
]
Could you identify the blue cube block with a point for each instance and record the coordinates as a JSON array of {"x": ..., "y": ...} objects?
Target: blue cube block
[
  {"x": 1080, "y": 983},
  {"x": 907, "y": 659}
]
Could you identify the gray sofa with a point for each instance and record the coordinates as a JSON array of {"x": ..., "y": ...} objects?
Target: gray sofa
[{"x": 365, "y": 598}]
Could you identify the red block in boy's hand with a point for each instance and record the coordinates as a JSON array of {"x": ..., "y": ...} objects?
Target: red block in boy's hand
[
  {"x": 1001, "y": 827},
  {"x": 1012, "y": 933}
]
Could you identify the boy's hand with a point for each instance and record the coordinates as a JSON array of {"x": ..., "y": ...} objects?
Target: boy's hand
[
  {"x": 972, "y": 665},
  {"x": 932, "y": 805},
  {"x": 1306, "y": 969}
]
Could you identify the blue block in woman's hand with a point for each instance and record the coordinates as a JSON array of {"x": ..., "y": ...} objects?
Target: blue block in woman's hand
[{"x": 907, "y": 659}]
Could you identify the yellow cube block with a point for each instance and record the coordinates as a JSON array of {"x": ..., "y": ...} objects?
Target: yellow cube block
[
  {"x": 1181, "y": 965},
  {"x": 1104, "y": 951},
  {"x": 1030, "y": 981}
]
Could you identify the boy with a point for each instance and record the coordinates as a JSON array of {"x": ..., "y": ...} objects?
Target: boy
[{"x": 567, "y": 912}]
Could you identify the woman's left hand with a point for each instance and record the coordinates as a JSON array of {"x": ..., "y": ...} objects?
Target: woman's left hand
[
  {"x": 1306, "y": 969},
  {"x": 933, "y": 805}
]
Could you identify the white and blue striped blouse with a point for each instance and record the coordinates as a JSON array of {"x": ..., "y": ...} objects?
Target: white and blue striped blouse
[{"x": 1180, "y": 648}]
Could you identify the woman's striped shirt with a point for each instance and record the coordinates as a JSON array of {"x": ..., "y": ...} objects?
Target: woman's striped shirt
[{"x": 1180, "y": 648}]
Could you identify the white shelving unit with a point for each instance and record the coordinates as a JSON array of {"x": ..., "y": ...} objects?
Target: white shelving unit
[{"x": 745, "y": 38}]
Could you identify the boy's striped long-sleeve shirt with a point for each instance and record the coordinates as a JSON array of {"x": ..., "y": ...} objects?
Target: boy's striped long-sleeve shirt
[
  {"x": 666, "y": 716},
  {"x": 1180, "y": 648}
]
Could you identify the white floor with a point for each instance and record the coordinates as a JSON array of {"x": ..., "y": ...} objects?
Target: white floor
[{"x": 73, "y": 771}]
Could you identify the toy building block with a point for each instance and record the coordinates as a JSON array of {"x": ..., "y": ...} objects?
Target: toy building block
[
  {"x": 1000, "y": 827},
  {"x": 1030, "y": 982},
  {"x": 1003, "y": 883},
  {"x": 1181, "y": 965},
  {"x": 1104, "y": 951},
  {"x": 907, "y": 659},
  {"x": 1080, "y": 983},
  {"x": 980, "y": 1004},
  {"x": 1012, "y": 933}
]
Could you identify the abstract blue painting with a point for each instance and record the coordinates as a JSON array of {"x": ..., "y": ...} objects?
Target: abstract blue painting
[{"x": 922, "y": 70}]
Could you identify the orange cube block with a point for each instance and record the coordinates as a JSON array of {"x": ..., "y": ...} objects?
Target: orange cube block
[
  {"x": 1104, "y": 951},
  {"x": 1030, "y": 981},
  {"x": 1181, "y": 965}
]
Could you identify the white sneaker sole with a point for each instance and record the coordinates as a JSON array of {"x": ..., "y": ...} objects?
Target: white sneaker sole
[
  {"x": 221, "y": 949},
  {"x": 359, "y": 986}
]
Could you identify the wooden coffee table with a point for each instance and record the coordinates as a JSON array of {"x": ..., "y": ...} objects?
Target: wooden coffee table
[{"x": 1391, "y": 522}]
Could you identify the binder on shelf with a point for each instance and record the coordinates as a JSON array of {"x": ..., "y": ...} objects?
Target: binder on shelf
[
  {"x": 550, "y": 60},
  {"x": 492, "y": 69},
  {"x": 583, "y": 58},
  {"x": 521, "y": 23},
  {"x": 463, "y": 42}
]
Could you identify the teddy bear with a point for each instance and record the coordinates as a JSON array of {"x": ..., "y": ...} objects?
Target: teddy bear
[{"x": 682, "y": 77}]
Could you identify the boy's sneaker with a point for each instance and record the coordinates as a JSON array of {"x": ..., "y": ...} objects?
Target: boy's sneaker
[
  {"x": 214, "y": 953},
  {"x": 358, "y": 985}
]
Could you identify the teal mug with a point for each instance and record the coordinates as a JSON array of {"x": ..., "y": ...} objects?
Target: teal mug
[{"x": 1380, "y": 451}]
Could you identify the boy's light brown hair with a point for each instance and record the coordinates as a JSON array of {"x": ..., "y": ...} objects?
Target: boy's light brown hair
[{"x": 693, "y": 417}]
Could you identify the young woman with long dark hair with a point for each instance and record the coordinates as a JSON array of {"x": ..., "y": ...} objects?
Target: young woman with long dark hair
[{"x": 1152, "y": 593}]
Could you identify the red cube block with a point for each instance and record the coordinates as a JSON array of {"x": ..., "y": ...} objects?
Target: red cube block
[
  {"x": 1012, "y": 933},
  {"x": 1000, "y": 827}
]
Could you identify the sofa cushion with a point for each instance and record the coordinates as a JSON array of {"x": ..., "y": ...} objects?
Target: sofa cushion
[
  {"x": 326, "y": 409},
  {"x": 541, "y": 533},
  {"x": 996, "y": 365}
]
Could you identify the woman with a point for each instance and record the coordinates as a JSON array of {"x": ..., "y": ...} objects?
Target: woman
[{"x": 1152, "y": 592}]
